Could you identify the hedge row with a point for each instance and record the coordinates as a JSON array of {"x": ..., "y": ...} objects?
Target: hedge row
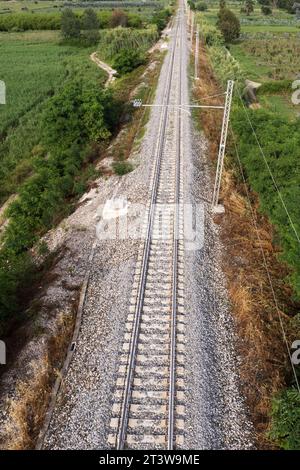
[{"x": 52, "y": 21}]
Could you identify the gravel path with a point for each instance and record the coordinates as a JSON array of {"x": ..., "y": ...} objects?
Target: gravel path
[{"x": 215, "y": 412}]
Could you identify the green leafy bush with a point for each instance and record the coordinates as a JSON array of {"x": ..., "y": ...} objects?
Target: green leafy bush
[
  {"x": 285, "y": 425},
  {"x": 122, "y": 167},
  {"x": 52, "y": 21},
  {"x": 127, "y": 60},
  {"x": 266, "y": 10},
  {"x": 201, "y": 6},
  {"x": 161, "y": 18}
]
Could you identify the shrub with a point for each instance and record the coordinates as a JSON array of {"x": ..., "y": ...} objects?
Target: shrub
[
  {"x": 30, "y": 21},
  {"x": 266, "y": 10},
  {"x": 161, "y": 18},
  {"x": 285, "y": 425},
  {"x": 122, "y": 168},
  {"x": 229, "y": 25},
  {"x": 201, "y": 6},
  {"x": 127, "y": 60}
]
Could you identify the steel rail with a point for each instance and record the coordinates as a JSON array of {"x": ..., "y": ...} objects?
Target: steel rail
[
  {"x": 124, "y": 413},
  {"x": 172, "y": 377}
]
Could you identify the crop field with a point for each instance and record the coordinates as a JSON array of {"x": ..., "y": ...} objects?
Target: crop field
[
  {"x": 276, "y": 58},
  {"x": 33, "y": 64},
  {"x": 279, "y": 22},
  {"x": 44, "y": 6}
]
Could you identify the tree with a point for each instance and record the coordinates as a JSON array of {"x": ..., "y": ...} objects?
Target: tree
[
  {"x": 90, "y": 25},
  {"x": 229, "y": 25},
  {"x": 266, "y": 10},
  {"x": 70, "y": 24},
  {"x": 249, "y": 7},
  {"x": 89, "y": 20},
  {"x": 222, "y": 4},
  {"x": 118, "y": 18}
]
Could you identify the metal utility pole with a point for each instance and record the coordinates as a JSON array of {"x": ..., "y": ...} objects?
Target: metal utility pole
[
  {"x": 192, "y": 27},
  {"x": 197, "y": 53},
  {"x": 222, "y": 147}
]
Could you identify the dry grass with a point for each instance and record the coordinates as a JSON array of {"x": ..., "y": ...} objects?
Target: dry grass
[
  {"x": 26, "y": 412},
  {"x": 264, "y": 359}
]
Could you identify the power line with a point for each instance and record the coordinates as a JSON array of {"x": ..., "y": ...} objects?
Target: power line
[
  {"x": 270, "y": 172},
  {"x": 265, "y": 261}
]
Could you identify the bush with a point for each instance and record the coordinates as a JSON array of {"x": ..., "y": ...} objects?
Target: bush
[
  {"x": 285, "y": 425},
  {"x": 127, "y": 60},
  {"x": 266, "y": 10},
  {"x": 118, "y": 18},
  {"x": 30, "y": 21},
  {"x": 113, "y": 41},
  {"x": 229, "y": 25},
  {"x": 161, "y": 18},
  {"x": 201, "y": 6},
  {"x": 192, "y": 4},
  {"x": 122, "y": 168}
]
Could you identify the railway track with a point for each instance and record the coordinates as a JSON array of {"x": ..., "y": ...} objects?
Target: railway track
[{"x": 148, "y": 409}]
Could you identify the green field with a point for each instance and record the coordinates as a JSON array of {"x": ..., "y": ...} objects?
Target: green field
[
  {"x": 34, "y": 66},
  {"x": 279, "y": 22},
  {"x": 48, "y": 6}
]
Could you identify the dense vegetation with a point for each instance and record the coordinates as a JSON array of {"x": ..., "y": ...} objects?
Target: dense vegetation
[
  {"x": 77, "y": 119},
  {"x": 52, "y": 21},
  {"x": 113, "y": 41},
  {"x": 281, "y": 145}
]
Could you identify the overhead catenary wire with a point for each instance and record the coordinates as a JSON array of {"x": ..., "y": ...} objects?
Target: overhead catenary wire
[
  {"x": 265, "y": 260},
  {"x": 270, "y": 171}
]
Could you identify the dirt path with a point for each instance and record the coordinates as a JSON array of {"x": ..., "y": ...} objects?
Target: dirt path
[{"x": 110, "y": 71}]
